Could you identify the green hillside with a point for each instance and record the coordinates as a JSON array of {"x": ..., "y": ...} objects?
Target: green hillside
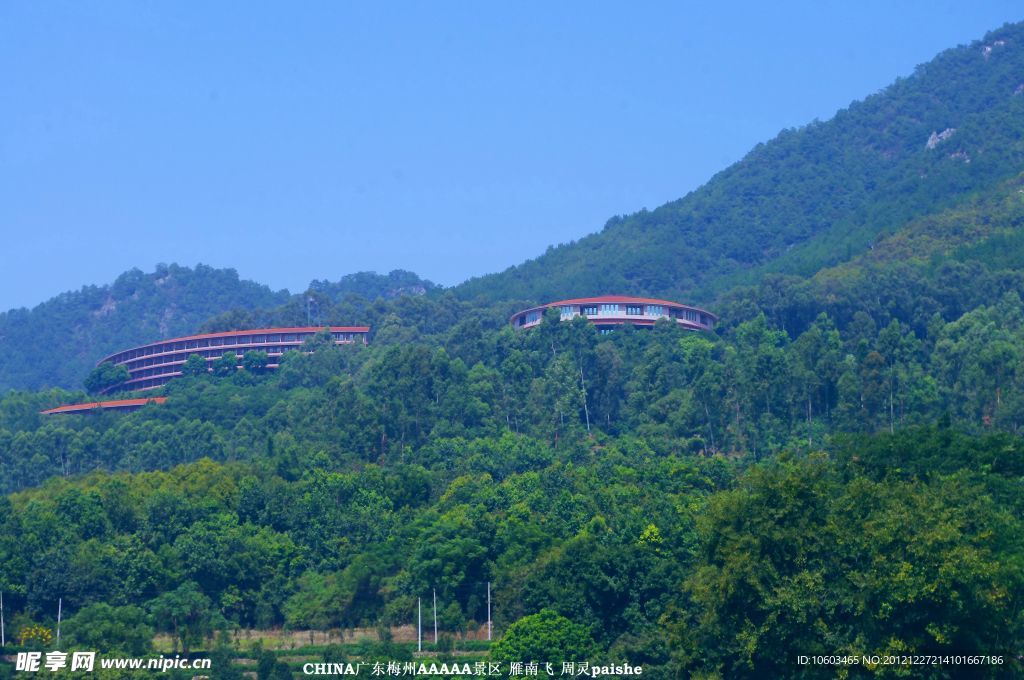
[
  {"x": 811, "y": 197},
  {"x": 666, "y": 491},
  {"x": 373, "y": 286},
  {"x": 836, "y": 470},
  {"x": 933, "y": 271}
]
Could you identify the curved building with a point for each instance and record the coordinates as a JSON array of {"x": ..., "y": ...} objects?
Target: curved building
[
  {"x": 608, "y": 311},
  {"x": 154, "y": 364}
]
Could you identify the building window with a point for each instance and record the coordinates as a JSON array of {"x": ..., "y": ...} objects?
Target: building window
[
  {"x": 568, "y": 311},
  {"x": 655, "y": 310},
  {"x": 588, "y": 310},
  {"x": 609, "y": 310},
  {"x": 634, "y": 310}
]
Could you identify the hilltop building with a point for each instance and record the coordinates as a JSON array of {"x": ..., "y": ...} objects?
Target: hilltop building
[
  {"x": 155, "y": 364},
  {"x": 609, "y": 311}
]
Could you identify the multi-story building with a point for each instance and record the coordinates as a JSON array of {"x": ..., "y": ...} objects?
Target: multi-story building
[
  {"x": 608, "y": 311},
  {"x": 154, "y": 364}
]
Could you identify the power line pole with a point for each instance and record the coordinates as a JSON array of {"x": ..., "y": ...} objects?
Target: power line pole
[
  {"x": 583, "y": 388},
  {"x": 60, "y": 607},
  {"x": 3, "y": 640},
  {"x": 435, "y": 616},
  {"x": 419, "y": 626},
  {"x": 488, "y": 610}
]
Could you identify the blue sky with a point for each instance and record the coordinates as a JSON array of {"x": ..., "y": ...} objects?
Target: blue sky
[{"x": 294, "y": 141}]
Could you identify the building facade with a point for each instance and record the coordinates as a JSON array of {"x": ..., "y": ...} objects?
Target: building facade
[
  {"x": 155, "y": 364},
  {"x": 609, "y": 311}
]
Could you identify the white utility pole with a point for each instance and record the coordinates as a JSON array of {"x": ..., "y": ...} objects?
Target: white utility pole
[
  {"x": 3, "y": 640},
  {"x": 488, "y": 610},
  {"x": 60, "y": 606},
  {"x": 435, "y": 616},
  {"x": 419, "y": 626}
]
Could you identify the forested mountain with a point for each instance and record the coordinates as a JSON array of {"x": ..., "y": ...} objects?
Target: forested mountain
[
  {"x": 813, "y": 196},
  {"x": 360, "y": 299},
  {"x": 372, "y": 286},
  {"x": 925, "y": 147},
  {"x": 933, "y": 271},
  {"x": 670, "y": 493},
  {"x": 836, "y": 470}
]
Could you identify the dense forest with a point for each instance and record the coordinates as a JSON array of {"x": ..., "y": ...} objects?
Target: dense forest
[
  {"x": 621, "y": 480},
  {"x": 835, "y": 470}
]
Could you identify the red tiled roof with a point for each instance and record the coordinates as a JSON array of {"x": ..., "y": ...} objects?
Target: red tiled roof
[
  {"x": 117, "y": 403},
  {"x": 253, "y": 331},
  {"x": 615, "y": 298},
  {"x": 622, "y": 299}
]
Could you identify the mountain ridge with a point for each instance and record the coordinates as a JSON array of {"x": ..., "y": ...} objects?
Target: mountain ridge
[
  {"x": 804, "y": 202},
  {"x": 811, "y": 196}
]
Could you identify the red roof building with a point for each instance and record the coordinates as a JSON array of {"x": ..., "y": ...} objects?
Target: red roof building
[
  {"x": 122, "y": 405},
  {"x": 155, "y": 364},
  {"x": 608, "y": 311}
]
